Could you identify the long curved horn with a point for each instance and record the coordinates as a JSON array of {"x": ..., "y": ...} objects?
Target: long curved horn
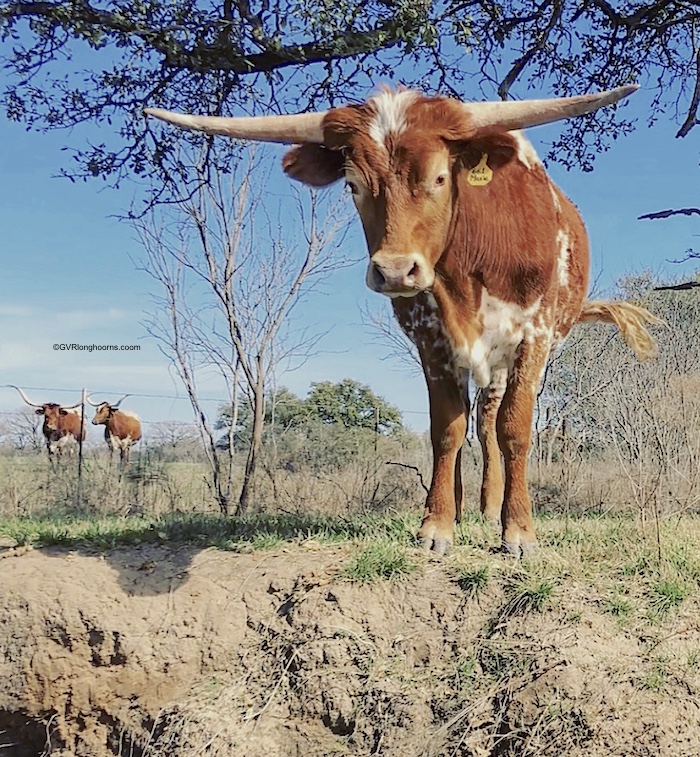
[
  {"x": 90, "y": 402},
  {"x": 71, "y": 407},
  {"x": 24, "y": 396},
  {"x": 519, "y": 114},
  {"x": 116, "y": 404},
  {"x": 289, "y": 129}
]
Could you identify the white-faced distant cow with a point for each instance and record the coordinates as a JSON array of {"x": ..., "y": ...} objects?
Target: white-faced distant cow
[
  {"x": 63, "y": 424},
  {"x": 122, "y": 428},
  {"x": 485, "y": 259}
]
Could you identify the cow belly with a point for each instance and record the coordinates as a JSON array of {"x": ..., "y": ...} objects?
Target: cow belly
[{"x": 115, "y": 443}]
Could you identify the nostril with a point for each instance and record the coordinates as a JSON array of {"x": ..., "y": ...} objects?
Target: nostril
[
  {"x": 414, "y": 271},
  {"x": 379, "y": 277}
]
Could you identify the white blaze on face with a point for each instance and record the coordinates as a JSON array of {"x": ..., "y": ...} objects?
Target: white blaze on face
[
  {"x": 505, "y": 327},
  {"x": 390, "y": 115}
]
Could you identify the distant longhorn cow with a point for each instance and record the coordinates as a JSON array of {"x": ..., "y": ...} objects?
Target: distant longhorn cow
[
  {"x": 484, "y": 258},
  {"x": 63, "y": 424},
  {"x": 122, "y": 428}
]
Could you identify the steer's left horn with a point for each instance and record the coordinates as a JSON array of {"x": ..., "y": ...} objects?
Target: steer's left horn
[
  {"x": 71, "y": 407},
  {"x": 519, "y": 114},
  {"x": 288, "y": 129},
  {"x": 119, "y": 401},
  {"x": 90, "y": 402}
]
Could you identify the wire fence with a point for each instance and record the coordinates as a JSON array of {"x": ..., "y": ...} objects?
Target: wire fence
[{"x": 138, "y": 395}]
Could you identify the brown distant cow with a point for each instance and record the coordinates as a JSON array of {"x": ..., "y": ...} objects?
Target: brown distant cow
[
  {"x": 63, "y": 424},
  {"x": 483, "y": 256},
  {"x": 122, "y": 428}
]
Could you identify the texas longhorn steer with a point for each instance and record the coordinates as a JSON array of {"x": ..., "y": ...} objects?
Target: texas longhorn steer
[
  {"x": 485, "y": 260},
  {"x": 122, "y": 427},
  {"x": 63, "y": 424}
]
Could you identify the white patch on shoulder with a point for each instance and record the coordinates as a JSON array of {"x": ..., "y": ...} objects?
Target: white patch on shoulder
[
  {"x": 526, "y": 152},
  {"x": 563, "y": 258},
  {"x": 555, "y": 198},
  {"x": 129, "y": 413},
  {"x": 505, "y": 326},
  {"x": 390, "y": 115}
]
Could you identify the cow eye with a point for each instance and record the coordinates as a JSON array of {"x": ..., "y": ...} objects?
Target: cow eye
[
  {"x": 351, "y": 186},
  {"x": 440, "y": 180}
]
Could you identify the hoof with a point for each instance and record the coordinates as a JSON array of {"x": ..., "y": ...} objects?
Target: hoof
[
  {"x": 518, "y": 549},
  {"x": 432, "y": 538},
  {"x": 439, "y": 547}
]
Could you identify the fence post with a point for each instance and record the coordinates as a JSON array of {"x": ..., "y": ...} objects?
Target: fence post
[{"x": 78, "y": 491}]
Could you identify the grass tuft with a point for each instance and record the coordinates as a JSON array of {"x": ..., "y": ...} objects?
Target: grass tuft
[
  {"x": 473, "y": 582},
  {"x": 665, "y": 596},
  {"x": 380, "y": 559},
  {"x": 528, "y": 593}
]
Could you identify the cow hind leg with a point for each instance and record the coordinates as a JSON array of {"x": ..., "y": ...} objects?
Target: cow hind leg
[
  {"x": 459, "y": 488},
  {"x": 492, "y": 477},
  {"x": 513, "y": 426},
  {"x": 448, "y": 426}
]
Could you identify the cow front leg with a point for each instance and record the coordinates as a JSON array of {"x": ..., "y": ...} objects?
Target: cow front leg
[
  {"x": 492, "y": 477},
  {"x": 448, "y": 427},
  {"x": 513, "y": 426}
]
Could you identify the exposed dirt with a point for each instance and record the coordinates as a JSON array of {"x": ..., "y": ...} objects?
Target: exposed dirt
[{"x": 182, "y": 652}]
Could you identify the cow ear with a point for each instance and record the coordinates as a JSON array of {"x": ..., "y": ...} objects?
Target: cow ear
[
  {"x": 39, "y": 411},
  {"x": 315, "y": 165},
  {"x": 62, "y": 411}
]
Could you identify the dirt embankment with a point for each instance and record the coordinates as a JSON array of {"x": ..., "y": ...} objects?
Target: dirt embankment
[{"x": 181, "y": 652}]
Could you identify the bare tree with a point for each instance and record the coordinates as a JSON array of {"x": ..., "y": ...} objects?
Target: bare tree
[
  {"x": 231, "y": 276},
  {"x": 174, "y": 438},
  {"x": 400, "y": 350},
  {"x": 22, "y": 430}
]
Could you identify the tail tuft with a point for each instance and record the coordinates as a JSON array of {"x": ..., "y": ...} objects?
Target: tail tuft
[{"x": 632, "y": 321}]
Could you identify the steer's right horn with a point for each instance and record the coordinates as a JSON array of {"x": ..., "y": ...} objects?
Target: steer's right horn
[
  {"x": 293, "y": 129},
  {"x": 24, "y": 396}
]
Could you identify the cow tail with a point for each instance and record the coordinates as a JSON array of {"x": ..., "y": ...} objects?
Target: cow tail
[{"x": 632, "y": 321}]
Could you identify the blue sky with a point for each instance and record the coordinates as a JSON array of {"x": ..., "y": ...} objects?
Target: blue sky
[{"x": 68, "y": 276}]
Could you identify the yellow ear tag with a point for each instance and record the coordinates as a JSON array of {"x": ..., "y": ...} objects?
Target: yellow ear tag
[{"x": 481, "y": 174}]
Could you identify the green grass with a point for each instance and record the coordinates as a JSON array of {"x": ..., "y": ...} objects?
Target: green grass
[
  {"x": 529, "y": 594},
  {"x": 618, "y": 607},
  {"x": 379, "y": 560},
  {"x": 666, "y": 595},
  {"x": 473, "y": 581},
  {"x": 251, "y": 532}
]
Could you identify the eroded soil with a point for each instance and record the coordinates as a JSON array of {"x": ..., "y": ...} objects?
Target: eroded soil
[{"x": 179, "y": 652}]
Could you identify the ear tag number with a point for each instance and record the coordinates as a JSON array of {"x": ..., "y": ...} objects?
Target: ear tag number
[{"x": 481, "y": 174}]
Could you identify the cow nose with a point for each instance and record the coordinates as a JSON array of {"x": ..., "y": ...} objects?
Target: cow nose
[{"x": 399, "y": 274}]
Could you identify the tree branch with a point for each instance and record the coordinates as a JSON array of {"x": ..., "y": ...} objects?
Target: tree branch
[{"x": 669, "y": 213}]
